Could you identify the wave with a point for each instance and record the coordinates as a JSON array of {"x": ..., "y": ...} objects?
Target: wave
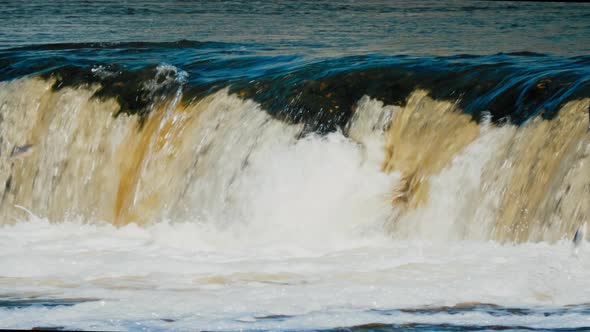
[{"x": 321, "y": 93}]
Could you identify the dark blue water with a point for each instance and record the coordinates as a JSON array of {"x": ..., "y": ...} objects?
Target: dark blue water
[{"x": 509, "y": 86}]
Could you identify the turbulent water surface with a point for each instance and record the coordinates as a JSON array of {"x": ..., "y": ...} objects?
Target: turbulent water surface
[{"x": 294, "y": 166}]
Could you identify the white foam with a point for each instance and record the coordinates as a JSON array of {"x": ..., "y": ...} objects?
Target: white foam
[
  {"x": 190, "y": 274},
  {"x": 305, "y": 242}
]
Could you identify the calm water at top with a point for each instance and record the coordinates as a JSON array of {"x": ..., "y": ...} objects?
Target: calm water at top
[{"x": 314, "y": 28}]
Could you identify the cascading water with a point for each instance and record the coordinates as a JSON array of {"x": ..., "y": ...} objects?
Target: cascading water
[
  {"x": 224, "y": 161},
  {"x": 314, "y": 179}
]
